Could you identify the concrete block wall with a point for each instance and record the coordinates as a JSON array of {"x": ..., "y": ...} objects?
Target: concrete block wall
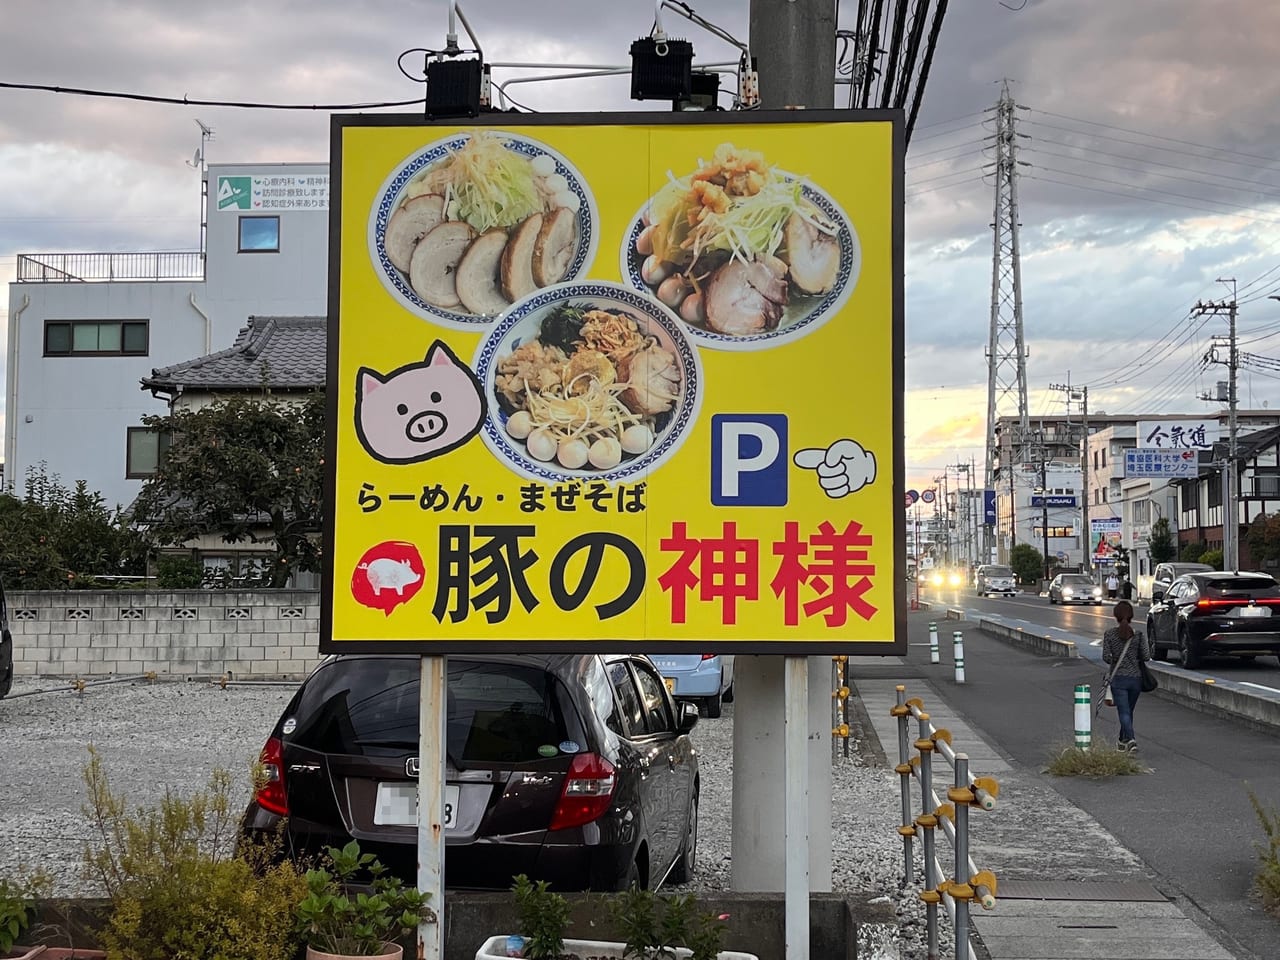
[{"x": 83, "y": 633}]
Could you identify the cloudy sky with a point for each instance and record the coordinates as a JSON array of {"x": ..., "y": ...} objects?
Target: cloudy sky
[{"x": 1149, "y": 132}]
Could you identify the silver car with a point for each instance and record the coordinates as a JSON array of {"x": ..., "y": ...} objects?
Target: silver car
[
  {"x": 1074, "y": 588},
  {"x": 993, "y": 579}
]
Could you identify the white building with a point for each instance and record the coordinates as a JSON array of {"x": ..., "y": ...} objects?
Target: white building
[{"x": 86, "y": 328}]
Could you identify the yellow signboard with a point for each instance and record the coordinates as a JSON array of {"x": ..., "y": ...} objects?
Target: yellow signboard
[{"x": 616, "y": 381}]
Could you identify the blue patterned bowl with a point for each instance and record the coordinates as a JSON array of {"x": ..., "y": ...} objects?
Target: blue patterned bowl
[
  {"x": 803, "y": 315},
  {"x": 523, "y": 322},
  {"x": 388, "y": 199}
]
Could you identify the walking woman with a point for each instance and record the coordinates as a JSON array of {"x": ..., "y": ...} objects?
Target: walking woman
[{"x": 1123, "y": 647}]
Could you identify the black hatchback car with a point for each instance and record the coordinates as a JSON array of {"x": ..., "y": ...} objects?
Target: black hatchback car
[
  {"x": 6, "y": 648},
  {"x": 574, "y": 769},
  {"x": 1217, "y": 614}
]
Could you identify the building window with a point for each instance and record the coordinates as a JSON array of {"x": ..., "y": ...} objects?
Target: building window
[
  {"x": 1214, "y": 489},
  {"x": 95, "y": 338},
  {"x": 1054, "y": 532},
  {"x": 1266, "y": 485},
  {"x": 1142, "y": 511},
  {"x": 1188, "y": 498},
  {"x": 259, "y": 235},
  {"x": 146, "y": 447}
]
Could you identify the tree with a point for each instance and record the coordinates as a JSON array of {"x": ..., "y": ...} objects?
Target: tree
[
  {"x": 1263, "y": 539},
  {"x": 1190, "y": 552},
  {"x": 1160, "y": 542},
  {"x": 247, "y": 469},
  {"x": 1212, "y": 557},
  {"x": 1027, "y": 562},
  {"x": 57, "y": 538}
]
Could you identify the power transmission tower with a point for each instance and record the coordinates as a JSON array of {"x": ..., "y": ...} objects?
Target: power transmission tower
[
  {"x": 1006, "y": 348},
  {"x": 1230, "y": 485}
]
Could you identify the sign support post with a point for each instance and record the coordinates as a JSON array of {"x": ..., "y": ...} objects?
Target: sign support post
[
  {"x": 796, "y": 817},
  {"x": 432, "y": 760}
]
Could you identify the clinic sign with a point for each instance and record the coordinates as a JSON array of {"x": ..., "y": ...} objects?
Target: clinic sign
[
  {"x": 1161, "y": 463},
  {"x": 591, "y": 378},
  {"x": 272, "y": 193}
]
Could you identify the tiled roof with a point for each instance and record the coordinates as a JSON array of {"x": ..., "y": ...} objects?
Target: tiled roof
[{"x": 278, "y": 352}]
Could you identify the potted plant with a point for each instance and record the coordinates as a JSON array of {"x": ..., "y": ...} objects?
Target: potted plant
[
  {"x": 655, "y": 928},
  {"x": 17, "y": 911},
  {"x": 178, "y": 889},
  {"x": 337, "y": 918}
]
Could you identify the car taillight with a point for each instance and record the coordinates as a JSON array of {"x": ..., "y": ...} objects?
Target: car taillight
[
  {"x": 1203, "y": 603},
  {"x": 271, "y": 795},
  {"x": 587, "y": 793},
  {"x": 707, "y": 656}
]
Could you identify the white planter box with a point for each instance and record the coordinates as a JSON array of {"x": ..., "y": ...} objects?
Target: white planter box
[{"x": 495, "y": 948}]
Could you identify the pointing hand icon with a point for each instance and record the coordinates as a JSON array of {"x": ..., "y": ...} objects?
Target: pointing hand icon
[{"x": 843, "y": 468}]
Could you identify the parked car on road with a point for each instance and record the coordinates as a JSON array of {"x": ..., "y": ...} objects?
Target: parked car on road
[
  {"x": 6, "y": 648},
  {"x": 705, "y": 679},
  {"x": 1165, "y": 573},
  {"x": 575, "y": 769},
  {"x": 1074, "y": 588},
  {"x": 995, "y": 579},
  {"x": 1217, "y": 614}
]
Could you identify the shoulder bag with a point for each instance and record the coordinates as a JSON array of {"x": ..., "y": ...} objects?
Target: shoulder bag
[{"x": 1107, "y": 698}]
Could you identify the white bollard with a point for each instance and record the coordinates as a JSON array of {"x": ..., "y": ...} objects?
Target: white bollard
[
  {"x": 957, "y": 649},
  {"x": 933, "y": 643},
  {"x": 1084, "y": 717}
]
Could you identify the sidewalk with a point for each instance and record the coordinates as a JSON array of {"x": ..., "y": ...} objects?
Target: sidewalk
[{"x": 1066, "y": 887}]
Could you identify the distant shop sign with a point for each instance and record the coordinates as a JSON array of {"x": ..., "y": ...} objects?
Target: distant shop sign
[
  {"x": 1054, "y": 500},
  {"x": 1179, "y": 434}
]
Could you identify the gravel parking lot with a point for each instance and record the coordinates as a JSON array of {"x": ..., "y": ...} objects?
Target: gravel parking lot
[{"x": 154, "y": 736}]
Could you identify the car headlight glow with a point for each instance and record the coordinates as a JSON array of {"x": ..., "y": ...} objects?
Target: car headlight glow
[
  {"x": 955, "y": 580},
  {"x": 1067, "y": 591},
  {"x": 1097, "y": 591}
]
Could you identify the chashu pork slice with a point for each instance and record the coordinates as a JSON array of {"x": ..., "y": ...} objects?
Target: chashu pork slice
[
  {"x": 477, "y": 277},
  {"x": 409, "y": 224},
  {"x": 517, "y": 259},
  {"x": 553, "y": 250},
  {"x": 814, "y": 256},
  {"x": 434, "y": 267}
]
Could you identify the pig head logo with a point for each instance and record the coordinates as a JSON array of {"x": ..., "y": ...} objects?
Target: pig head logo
[
  {"x": 419, "y": 411},
  {"x": 389, "y": 574}
]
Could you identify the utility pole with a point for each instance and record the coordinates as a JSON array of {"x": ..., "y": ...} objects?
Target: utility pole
[
  {"x": 1230, "y": 498},
  {"x": 1081, "y": 394},
  {"x": 1006, "y": 347},
  {"x": 1044, "y": 500}
]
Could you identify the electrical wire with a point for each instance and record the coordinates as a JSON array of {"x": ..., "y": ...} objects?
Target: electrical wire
[
  {"x": 1147, "y": 161},
  {"x": 1155, "y": 136},
  {"x": 1134, "y": 186},
  {"x": 1148, "y": 146},
  {"x": 194, "y": 102},
  {"x": 1168, "y": 203}
]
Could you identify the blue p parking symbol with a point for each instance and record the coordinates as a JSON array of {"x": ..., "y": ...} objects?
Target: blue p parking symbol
[{"x": 749, "y": 460}]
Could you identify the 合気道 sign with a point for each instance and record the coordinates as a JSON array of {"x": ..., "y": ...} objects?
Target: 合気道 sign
[{"x": 616, "y": 382}]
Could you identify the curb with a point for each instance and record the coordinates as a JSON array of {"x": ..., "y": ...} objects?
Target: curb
[
  {"x": 1038, "y": 642},
  {"x": 1224, "y": 699}
]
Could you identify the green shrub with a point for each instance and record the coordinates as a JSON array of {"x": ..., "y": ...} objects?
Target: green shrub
[
  {"x": 178, "y": 572},
  {"x": 177, "y": 890},
  {"x": 1267, "y": 882},
  {"x": 654, "y": 925},
  {"x": 1212, "y": 557},
  {"x": 1100, "y": 761},
  {"x": 1027, "y": 562},
  {"x": 544, "y": 917}
]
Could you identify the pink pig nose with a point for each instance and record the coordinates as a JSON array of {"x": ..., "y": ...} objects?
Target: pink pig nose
[{"x": 426, "y": 426}]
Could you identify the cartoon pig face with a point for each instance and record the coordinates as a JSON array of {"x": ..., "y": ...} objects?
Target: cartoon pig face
[{"x": 419, "y": 411}]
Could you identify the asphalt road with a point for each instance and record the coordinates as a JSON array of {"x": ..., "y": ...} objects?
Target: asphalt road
[{"x": 1189, "y": 819}]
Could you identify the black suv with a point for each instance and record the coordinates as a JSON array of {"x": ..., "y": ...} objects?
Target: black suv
[
  {"x": 575, "y": 769},
  {"x": 6, "y": 648}
]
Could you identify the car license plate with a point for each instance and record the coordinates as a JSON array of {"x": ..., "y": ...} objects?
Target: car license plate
[
  {"x": 671, "y": 684},
  {"x": 1254, "y": 611},
  {"x": 398, "y": 805}
]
